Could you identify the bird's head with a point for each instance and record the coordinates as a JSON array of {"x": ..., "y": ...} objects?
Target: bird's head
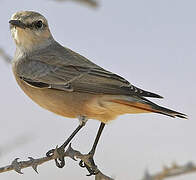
[{"x": 29, "y": 30}]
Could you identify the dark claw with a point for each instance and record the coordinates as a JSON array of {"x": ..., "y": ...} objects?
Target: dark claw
[
  {"x": 90, "y": 170},
  {"x": 92, "y": 174},
  {"x": 81, "y": 163},
  {"x": 50, "y": 153},
  {"x": 93, "y": 168},
  {"x": 60, "y": 162}
]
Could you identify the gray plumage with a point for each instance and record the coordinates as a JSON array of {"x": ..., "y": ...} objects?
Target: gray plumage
[{"x": 60, "y": 68}]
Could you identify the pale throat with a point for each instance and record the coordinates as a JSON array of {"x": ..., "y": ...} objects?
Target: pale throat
[{"x": 28, "y": 41}]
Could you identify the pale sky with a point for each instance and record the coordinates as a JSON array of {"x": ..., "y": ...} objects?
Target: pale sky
[{"x": 149, "y": 42}]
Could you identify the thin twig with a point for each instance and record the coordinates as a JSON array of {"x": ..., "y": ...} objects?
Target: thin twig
[
  {"x": 70, "y": 152},
  {"x": 5, "y": 56},
  {"x": 90, "y": 3},
  {"x": 174, "y": 170}
]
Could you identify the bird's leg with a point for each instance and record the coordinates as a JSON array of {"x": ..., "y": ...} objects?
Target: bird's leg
[
  {"x": 93, "y": 170},
  {"x": 60, "y": 162}
]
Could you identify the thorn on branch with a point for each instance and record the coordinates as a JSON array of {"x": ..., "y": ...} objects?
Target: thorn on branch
[
  {"x": 174, "y": 170},
  {"x": 34, "y": 164},
  {"x": 17, "y": 165}
]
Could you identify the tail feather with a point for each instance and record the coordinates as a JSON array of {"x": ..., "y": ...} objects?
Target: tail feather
[
  {"x": 169, "y": 112},
  {"x": 165, "y": 111},
  {"x": 149, "y": 106}
]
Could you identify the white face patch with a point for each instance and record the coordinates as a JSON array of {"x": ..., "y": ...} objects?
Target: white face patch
[
  {"x": 14, "y": 33},
  {"x": 21, "y": 38}
]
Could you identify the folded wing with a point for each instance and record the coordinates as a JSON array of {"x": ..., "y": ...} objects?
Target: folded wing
[{"x": 66, "y": 70}]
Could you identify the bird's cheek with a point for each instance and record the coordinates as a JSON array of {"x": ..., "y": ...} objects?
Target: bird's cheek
[
  {"x": 14, "y": 32},
  {"x": 21, "y": 37}
]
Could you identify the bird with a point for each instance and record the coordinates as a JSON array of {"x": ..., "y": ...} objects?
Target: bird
[{"x": 68, "y": 84}]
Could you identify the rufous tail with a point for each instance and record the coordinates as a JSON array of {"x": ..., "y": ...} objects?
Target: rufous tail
[{"x": 147, "y": 105}]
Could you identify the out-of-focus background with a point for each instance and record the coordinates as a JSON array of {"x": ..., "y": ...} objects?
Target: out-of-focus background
[{"x": 150, "y": 43}]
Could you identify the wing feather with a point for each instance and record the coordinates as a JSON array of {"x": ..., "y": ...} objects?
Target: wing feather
[{"x": 62, "y": 69}]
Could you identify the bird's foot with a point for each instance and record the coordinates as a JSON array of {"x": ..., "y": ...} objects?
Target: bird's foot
[
  {"x": 58, "y": 152},
  {"x": 87, "y": 162}
]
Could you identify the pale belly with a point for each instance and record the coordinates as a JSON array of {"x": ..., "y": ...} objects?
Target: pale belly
[
  {"x": 68, "y": 104},
  {"x": 74, "y": 104}
]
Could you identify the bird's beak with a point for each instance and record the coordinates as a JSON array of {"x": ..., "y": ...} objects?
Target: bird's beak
[{"x": 17, "y": 23}]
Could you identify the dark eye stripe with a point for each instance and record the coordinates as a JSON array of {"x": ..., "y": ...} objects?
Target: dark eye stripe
[{"x": 34, "y": 25}]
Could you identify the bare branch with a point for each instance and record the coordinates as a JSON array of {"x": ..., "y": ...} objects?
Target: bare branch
[
  {"x": 70, "y": 152},
  {"x": 90, "y": 3},
  {"x": 5, "y": 56},
  {"x": 174, "y": 170}
]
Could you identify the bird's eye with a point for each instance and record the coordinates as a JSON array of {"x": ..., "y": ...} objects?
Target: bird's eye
[{"x": 39, "y": 24}]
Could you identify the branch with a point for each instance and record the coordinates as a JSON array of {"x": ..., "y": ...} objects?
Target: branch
[
  {"x": 5, "y": 56},
  {"x": 91, "y": 3},
  {"x": 173, "y": 171},
  {"x": 70, "y": 152}
]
